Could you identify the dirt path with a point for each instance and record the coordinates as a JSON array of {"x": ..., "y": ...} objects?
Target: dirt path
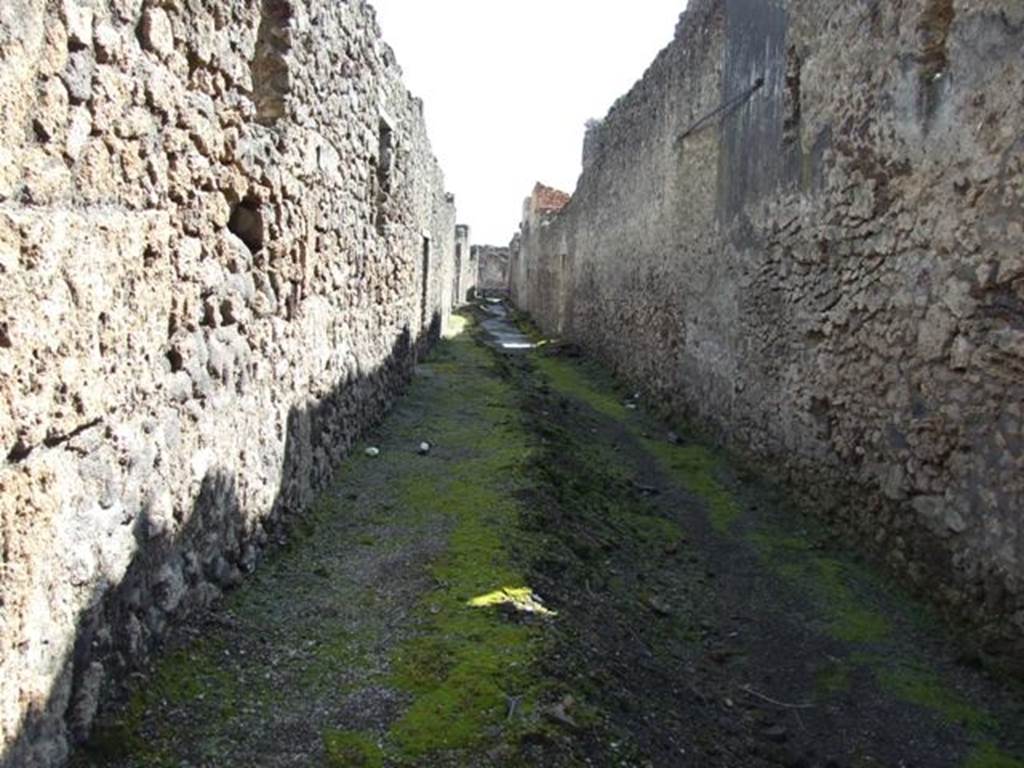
[{"x": 559, "y": 581}]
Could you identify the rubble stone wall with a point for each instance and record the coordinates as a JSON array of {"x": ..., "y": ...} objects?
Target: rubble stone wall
[
  {"x": 546, "y": 277},
  {"x": 465, "y": 266},
  {"x": 493, "y": 267},
  {"x": 802, "y": 229},
  {"x": 223, "y": 241}
]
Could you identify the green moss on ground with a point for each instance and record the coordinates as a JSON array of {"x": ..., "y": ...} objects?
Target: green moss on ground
[
  {"x": 193, "y": 674},
  {"x": 844, "y": 594},
  {"x": 654, "y": 530},
  {"x": 829, "y": 580},
  {"x": 851, "y": 619},
  {"x": 469, "y": 667},
  {"x": 696, "y": 468},
  {"x": 116, "y": 738},
  {"x": 464, "y": 664},
  {"x": 468, "y": 662},
  {"x": 832, "y": 678},
  {"x": 571, "y": 380},
  {"x": 988, "y": 755},
  {"x": 347, "y": 749},
  {"x": 527, "y": 326},
  {"x": 921, "y": 686}
]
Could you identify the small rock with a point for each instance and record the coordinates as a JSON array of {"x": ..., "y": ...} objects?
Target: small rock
[
  {"x": 169, "y": 588},
  {"x": 77, "y": 76},
  {"x": 775, "y": 733},
  {"x": 424, "y": 448},
  {"x": 53, "y": 110},
  {"x": 722, "y": 655},
  {"x": 155, "y": 32},
  {"x": 249, "y": 558},
  {"x": 79, "y": 128},
  {"x": 79, "y": 23},
  {"x": 673, "y": 438},
  {"x": 373, "y": 452},
  {"x": 659, "y": 606},
  {"x": 673, "y": 547},
  {"x": 647, "y": 490},
  {"x": 206, "y": 594},
  {"x": 558, "y": 712},
  {"x": 107, "y": 42}
]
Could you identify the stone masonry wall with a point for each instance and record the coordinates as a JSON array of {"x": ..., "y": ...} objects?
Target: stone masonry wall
[
  {"x": 802, "y": 229},
  {"x": 465, "y": 267},
  {"x": 493, "y": 267},
  {"x": 539, "y": 263},
  {"x": 223, "y": 240}
]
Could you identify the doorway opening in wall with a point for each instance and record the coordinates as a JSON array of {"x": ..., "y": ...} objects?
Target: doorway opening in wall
[{"x": 426, "y": 281}]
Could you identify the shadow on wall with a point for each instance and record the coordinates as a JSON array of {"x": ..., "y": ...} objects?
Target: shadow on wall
[{"x": 173, "y": 577}]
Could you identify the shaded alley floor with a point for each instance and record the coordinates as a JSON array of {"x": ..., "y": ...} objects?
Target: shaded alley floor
[{"x": 560, "y": 581}]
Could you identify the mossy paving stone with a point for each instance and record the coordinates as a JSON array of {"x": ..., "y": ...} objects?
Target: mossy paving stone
[{"x": 686, "y": 598}]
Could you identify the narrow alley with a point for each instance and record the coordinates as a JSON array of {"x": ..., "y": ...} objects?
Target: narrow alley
[
  {"x": 511, "y": 385},
  {"x": 557, "y": 578}
]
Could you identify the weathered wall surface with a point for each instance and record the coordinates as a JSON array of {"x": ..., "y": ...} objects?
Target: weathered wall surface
[
  {"x": 828, "y": 271},
  {"x": 493, "y": 266},
  {"x": 465, "y": 267},
  {"x": 540, "y": 259},
  {"x": 215, "y": 218}
]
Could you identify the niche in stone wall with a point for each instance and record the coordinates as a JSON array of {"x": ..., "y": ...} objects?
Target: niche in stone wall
[
  {"x": 933, "y": 31},
  {"x": 246, "y": 223},
  {"x": 271, "y": 79}
]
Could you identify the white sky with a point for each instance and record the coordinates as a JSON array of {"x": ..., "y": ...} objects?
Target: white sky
[{"x": 508, "y": 86}]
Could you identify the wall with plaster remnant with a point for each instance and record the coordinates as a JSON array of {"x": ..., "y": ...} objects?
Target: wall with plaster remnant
[
  {"x": 223, "y": 241},
  {"x": 802, "y": 229}
]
